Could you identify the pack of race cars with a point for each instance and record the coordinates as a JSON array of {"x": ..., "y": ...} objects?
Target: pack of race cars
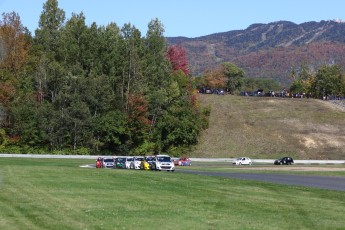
[
  {"x": 157, "y": 162},
  {"x": 165, "y": 162}
]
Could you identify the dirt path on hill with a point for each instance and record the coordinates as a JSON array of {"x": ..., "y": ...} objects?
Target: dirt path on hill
[{"x": 334, "y": 104}]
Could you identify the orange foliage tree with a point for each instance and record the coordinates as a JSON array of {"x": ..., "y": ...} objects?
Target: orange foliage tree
[
  {"x": 14, "y": 43},
  {"x": 216, "y": 78},
  {"x": 7, "y": 92},
  {"x": 14, "y": 48}
]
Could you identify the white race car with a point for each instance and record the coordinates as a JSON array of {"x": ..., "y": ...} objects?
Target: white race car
[
  {"x": 107, "y": 163},
  {"x": 243, "y": 161},
  {"x": 163, "y": 162},
  {"x": 136, "y": 162},
  {"x": 129, "y": 161}
]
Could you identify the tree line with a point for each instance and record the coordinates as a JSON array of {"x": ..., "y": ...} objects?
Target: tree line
[
  {"x": 233, "y": 80},
  {"x": 79, "y": 89},
  {"x": 327, "y": 81}
]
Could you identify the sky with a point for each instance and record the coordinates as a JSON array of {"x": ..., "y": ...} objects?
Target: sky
[{"x": 188, "y": 18}]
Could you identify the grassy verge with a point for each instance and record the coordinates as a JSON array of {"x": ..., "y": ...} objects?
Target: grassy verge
[{"x": 58, "y": 194}]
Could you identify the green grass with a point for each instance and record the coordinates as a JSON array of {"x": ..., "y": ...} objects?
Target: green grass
[
  {"x": 262, "y": 127},
  {"x": 58, "y": 194}
]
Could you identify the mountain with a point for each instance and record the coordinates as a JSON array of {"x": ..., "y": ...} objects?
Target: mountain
[{"x": 268, "y": 50}]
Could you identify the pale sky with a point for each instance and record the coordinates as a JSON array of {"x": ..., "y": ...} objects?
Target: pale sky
[{"x": 188, "y": 18}]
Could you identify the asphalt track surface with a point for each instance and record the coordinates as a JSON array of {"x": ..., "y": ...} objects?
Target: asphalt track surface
[{"x": 322, "y": 182}]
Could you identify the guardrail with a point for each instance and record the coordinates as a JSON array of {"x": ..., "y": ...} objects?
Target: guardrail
[{"x": 224, "y": 160}]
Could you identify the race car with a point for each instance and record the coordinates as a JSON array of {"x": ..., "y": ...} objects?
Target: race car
[
  {"x": 243, "y": 161},
  {"x": 99, "y": 162},
  {"x": 163, "y": 162},
  {"x": 135, "y": 164},
  {"x": 107, "y": 163},
  {"x": 284, "y": 161},
  {"x": 120, "y": 162},
  {"x": 129, "y": 161},
  {"x": 144, "y": 165},
  {"x": 183, "y": 161}
]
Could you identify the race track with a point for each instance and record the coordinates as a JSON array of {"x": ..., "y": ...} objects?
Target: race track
[{"x": 322, "y": 182}]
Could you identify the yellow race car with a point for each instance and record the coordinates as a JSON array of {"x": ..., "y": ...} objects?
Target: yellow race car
[{"x": 145, "y": 165}]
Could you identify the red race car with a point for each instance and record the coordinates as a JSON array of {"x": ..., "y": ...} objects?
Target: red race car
[
  {"x": 99, "y": 162},
  {"x": 183, "y": 161}
]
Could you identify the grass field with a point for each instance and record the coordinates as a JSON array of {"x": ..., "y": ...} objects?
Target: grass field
[
  {"x": 58, "y": 194},
  {"x": 264, "y": 127}
]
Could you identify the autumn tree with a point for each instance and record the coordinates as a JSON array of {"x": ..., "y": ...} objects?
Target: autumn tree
[
  {"x": 138, "y": 122},
  {"x": 7, "y": 92},
  {"x": 14, "y": 48},
  {"x": 178, "y": 59},
  {"x": 215, "y": 78},
  {"x": 14, "y": 43}
]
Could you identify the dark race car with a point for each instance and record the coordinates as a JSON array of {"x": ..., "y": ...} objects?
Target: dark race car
[
  {"x": 120, "y": 162},
  {"x": 284, "y": 161}
]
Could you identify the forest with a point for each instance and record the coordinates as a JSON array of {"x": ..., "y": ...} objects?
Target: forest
[{"x": 78, "y": 89}]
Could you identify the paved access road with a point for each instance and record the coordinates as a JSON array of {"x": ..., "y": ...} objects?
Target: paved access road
[{"x": 323, "y": 182}]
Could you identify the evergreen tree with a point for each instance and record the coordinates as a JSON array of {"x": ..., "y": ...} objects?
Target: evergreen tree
[
  {"x": 50, "y": 23},
  {"x": 157, "y": 70}
]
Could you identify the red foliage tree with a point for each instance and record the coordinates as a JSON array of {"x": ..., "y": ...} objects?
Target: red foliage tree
[
  {"x": 138, "y": 109},
  {"x": 138, "y": 121},
  {"x": 177, "y": 57}
]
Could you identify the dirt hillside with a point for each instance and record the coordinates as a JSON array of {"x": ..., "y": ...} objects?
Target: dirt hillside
[{"x": 261, "y": 127}]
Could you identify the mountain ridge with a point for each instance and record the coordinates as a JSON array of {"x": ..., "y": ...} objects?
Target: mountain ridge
[{"x": 282, "y": 44}]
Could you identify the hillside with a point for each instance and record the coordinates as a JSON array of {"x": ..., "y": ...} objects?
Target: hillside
[
  {"x": 268, "y": 50},
  {"x": 261, "y": 127}
]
